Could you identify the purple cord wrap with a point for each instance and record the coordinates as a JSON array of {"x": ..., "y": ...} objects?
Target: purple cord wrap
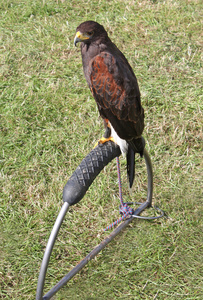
[{"x": 125, "y": 210}]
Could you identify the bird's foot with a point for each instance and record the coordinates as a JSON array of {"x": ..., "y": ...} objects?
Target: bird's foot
[{"x": 104, "y": 140}]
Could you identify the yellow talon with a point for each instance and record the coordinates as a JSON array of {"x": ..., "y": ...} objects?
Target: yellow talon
[{"x": 104, "y": 140}]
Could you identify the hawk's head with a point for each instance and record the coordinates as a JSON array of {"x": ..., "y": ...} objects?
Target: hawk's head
[{"x": 89, "y": 31}]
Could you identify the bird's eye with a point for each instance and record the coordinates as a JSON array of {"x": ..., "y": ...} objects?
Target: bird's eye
[{"x": 90, "y": 33}]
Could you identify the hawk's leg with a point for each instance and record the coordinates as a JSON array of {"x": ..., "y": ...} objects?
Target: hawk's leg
[{"x": 107, "y": 136}]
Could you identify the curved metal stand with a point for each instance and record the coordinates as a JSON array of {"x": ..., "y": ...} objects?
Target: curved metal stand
[
  {"x": 49, "y": 247},
  {"x": 74, "y": 190}
]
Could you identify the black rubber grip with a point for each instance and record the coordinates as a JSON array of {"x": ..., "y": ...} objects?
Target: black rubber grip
[{"x": 87, "y": 171}]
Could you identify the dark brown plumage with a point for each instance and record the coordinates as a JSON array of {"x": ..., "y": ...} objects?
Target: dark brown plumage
[{"x": 114, "y": 87}]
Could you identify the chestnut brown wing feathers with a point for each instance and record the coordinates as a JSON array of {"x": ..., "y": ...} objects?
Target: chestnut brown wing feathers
[{"x": 117, "y": 97}]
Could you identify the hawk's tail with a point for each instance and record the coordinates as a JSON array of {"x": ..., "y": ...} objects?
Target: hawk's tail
[
  {"x": 135, "y": 146},
  {"x": 130, "y": 156}
]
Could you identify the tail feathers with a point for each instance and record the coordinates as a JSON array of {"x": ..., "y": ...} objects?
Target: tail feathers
[
  {"x": 130, "y": 165},
  {"x": 135, "y": 146}
]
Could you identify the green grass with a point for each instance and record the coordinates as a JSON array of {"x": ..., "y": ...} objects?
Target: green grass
[{"x": 49, "y": 122}]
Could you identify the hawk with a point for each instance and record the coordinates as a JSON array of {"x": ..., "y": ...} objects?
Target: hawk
[{"x": 114, "y": 87}]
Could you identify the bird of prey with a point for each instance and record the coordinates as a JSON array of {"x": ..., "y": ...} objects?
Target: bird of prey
[{"x": 114, "y": 87}]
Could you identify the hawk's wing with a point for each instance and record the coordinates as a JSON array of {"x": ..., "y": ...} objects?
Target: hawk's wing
[{"x": 116, "y": 92}]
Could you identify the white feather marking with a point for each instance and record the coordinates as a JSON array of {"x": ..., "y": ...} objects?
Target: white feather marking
[{"x": 120, "y": 142}]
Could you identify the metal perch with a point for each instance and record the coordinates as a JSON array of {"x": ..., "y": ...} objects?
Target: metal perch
[{"x": 74, "y": 191}]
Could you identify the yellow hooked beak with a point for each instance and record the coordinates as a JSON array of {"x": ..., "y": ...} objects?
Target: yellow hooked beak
[{"x": 80, "y": 37}]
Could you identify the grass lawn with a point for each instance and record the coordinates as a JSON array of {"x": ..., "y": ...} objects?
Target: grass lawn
[{"x": 50, "y": 122}]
